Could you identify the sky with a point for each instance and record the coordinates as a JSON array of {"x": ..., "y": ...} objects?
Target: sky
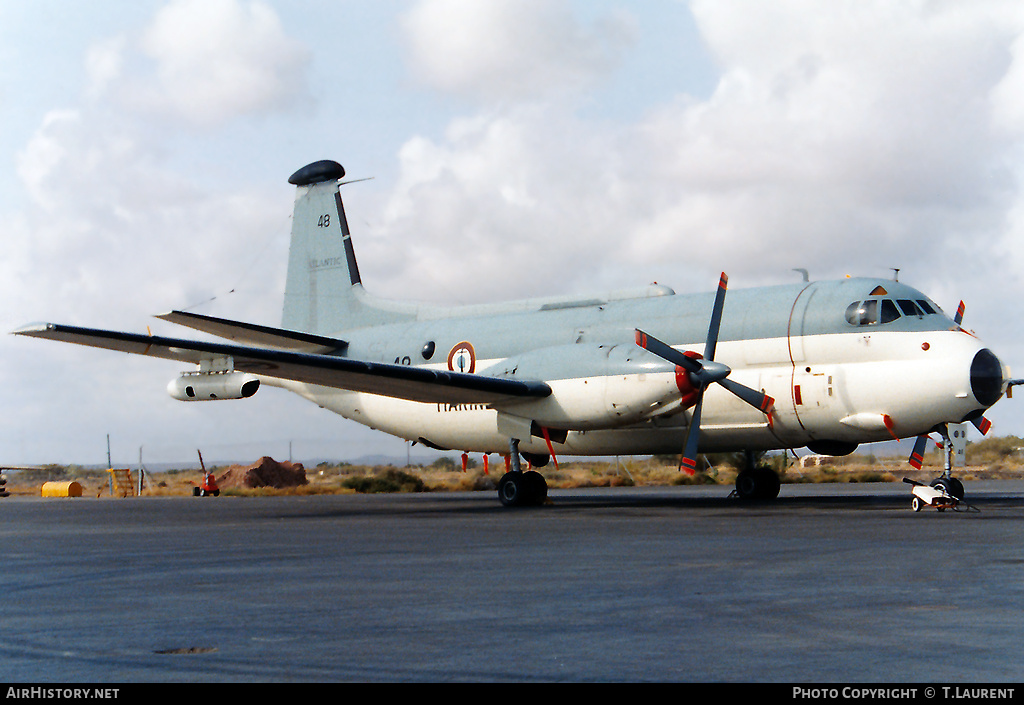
[{"x": 515, "y": 148}]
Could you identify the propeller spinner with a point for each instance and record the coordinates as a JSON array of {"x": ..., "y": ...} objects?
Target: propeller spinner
[{"x": 702, "y": 373}]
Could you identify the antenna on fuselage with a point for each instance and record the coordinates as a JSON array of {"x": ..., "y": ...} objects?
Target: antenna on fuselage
[
  {"x": 804, "y": 272},
  {"x": 895, "y": 273}
]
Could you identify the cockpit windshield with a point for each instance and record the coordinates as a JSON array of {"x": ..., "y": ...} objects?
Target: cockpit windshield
[{"x": 882, "y": 310}]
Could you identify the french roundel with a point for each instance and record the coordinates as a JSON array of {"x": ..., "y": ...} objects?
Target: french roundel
[{"x": 462, "y": 358}]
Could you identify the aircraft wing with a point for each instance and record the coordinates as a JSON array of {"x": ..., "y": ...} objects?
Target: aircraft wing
[
  {"x": 252, "y": 334},
  {"x": 401, "y": 381}
]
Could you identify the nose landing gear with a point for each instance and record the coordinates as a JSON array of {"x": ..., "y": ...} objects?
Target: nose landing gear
[{"x": 944, "y": 492}]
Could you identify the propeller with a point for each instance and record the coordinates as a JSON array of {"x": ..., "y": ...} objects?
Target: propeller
[{"x": 704, "y": 372}]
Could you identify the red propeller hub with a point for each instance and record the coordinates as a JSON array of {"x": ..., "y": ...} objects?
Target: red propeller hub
[{"x": 685, "y": 384}]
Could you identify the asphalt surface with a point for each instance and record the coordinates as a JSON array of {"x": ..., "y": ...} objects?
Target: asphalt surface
[{"x": 830, "y": 583}]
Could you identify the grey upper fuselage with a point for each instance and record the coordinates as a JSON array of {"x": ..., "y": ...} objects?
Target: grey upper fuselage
[
  {"x": 505, "y": 330},
  {"x": 324, "y": 295}
]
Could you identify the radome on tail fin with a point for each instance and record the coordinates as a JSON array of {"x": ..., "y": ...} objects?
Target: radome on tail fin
[{"x": 324, "y": 292}]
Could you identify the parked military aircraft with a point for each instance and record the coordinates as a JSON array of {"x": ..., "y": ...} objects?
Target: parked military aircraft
[{"x": 825, "y": 365}]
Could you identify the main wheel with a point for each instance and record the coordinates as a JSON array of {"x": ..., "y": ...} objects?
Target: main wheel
[
  {"x": 519, "y": 489},
  {"x": 758, "y": 483},
  {"x": 746, "y": 484},
  {"x": 536, "y": 487},
  {"x": 510, "y": 489},
  {"x": 769, "y": 483}
]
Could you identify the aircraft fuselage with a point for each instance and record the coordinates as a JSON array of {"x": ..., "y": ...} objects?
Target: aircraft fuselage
[{"x": 836, "y": 383}]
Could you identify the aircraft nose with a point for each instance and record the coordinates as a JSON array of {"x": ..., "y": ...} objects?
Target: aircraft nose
[{"x": 986, "y": 377}]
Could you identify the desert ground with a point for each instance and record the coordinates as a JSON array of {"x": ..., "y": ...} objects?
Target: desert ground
[{"x": 989, "y": 459}]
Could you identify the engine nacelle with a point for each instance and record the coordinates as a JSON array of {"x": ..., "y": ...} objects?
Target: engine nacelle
[
  {"x": 210, "y": 386},
  {"x": 593, "y": 386}
]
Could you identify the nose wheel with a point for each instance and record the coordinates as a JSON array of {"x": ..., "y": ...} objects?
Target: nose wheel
[{"x": 950, "y": 485}]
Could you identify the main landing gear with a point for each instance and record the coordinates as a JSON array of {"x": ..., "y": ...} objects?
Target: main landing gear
[
  {"x": 756, "y": 481},
  {"x": 517, "y": 488}
]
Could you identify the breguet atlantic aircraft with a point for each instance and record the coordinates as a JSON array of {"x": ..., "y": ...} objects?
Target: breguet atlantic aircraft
[{"x": 824, "y": 365}]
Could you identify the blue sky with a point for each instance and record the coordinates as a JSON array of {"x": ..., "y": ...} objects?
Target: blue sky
[{"x": 517, "y": 148}]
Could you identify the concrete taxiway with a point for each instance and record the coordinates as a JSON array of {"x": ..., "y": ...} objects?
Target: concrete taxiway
[{"x": 829, "y": 583}]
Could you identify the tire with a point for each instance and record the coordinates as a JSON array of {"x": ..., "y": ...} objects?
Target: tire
[
  {"x": 510, "y": 489},
  {"x": 520, "y": 489},
  {"x": 769, "y": 483},
  {"x": 746, "y": 484},
  {"x": 536, "y": 487},
  {"x": 759, "y": 483},
  {"x": 952, "y": 486},
  {"x": 916, "y": 504}
]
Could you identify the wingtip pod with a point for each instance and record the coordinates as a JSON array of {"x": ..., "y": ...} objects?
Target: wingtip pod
[{"x": 317, "y": 172}]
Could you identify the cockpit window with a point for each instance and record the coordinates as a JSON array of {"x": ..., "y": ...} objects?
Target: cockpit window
[
  {"x": 909, "y": 308},
  {"x": 862, "y": 313},
  {"x": 876, "y": 311},
  {"x": 889, "y": 312}
]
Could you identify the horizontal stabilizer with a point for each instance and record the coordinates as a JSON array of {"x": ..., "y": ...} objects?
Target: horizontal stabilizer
[
  {"x": 252, "y": 334},
  {"x": 399, "y": 381}
]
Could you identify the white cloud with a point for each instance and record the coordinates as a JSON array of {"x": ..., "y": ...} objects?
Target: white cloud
[
  {"x": 109, "y": 201},
  {"x": 109, "y": 211},
  {"x": 117, "y": 227},
  {"x": 206, "y": 62},
  {"x": 846, "y": 139},
  {"x": 511, "y": 50}
]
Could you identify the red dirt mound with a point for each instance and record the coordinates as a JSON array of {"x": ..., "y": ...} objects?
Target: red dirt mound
[{"x": 266, "y": 472}]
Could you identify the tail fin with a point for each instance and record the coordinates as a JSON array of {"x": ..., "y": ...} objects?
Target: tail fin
[{"x": 324, "y": 293}]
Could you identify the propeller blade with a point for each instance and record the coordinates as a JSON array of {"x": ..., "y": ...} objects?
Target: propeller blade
[
  {"x": 759, "y": 400},
  {"x": 688, "y": 463},
  {"x": 959, "y": 317},
  {"x": 667, "y": 352},
  {"x": 716, "y": 318},
  {"x": 917, "y": 455},
  {"x": 982, "y": 424}
]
